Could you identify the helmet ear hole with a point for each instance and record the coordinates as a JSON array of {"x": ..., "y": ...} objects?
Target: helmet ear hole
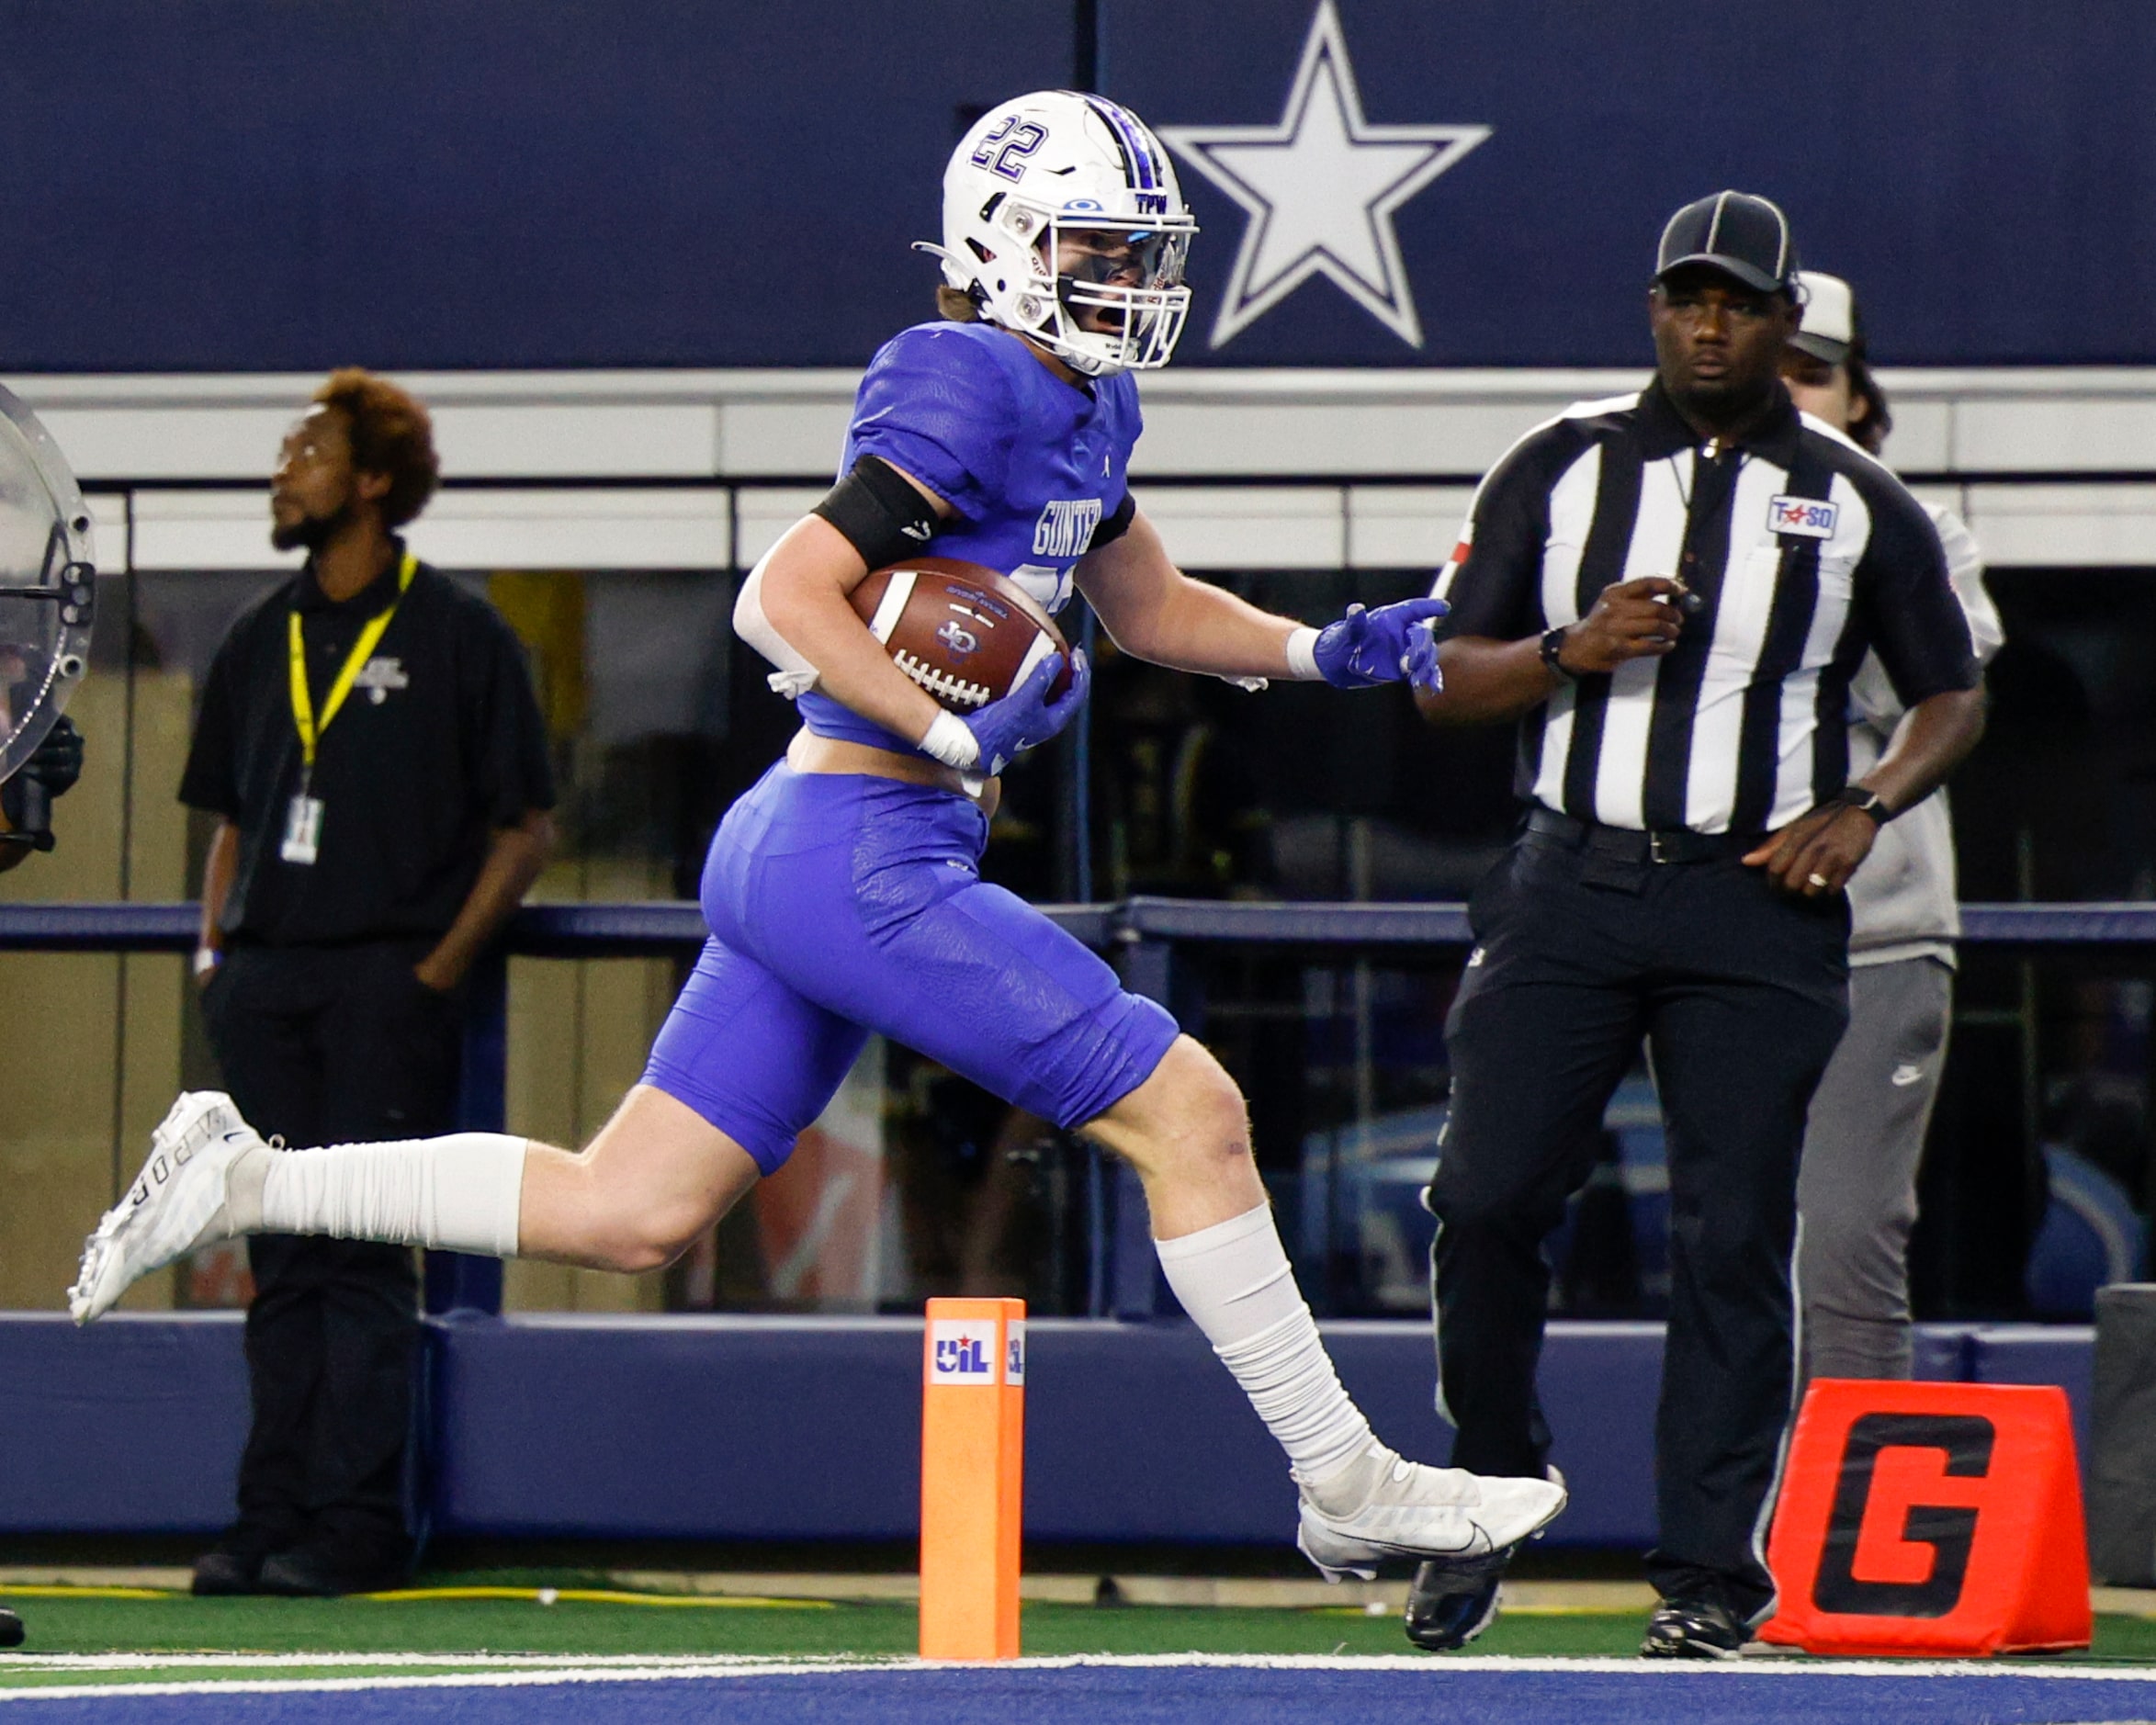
[{"x": 979, "y": 250}]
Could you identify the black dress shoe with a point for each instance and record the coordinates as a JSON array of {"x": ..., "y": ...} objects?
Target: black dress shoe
[
  {"x": 224, "y": 1571},
  {"x": 234, "y": 1565},
  {"x": 1693, "y": 1628},
  {"x": 11, "y": 1630},
  {"x": 322, "y": 1572},
  {"x": 1451, "y": 1601}
]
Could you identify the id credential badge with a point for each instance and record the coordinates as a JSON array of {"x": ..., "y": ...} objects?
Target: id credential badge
[
  {"x": 303, "y": 816},
  {"x": 302, "y": 829}
]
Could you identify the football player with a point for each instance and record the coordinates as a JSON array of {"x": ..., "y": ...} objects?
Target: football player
[{"x": 842, "y": 892}]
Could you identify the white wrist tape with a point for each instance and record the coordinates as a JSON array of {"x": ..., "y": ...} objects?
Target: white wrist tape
[
  {"x": 1303, "y": 656},
  {"x": 950, "y": 741}
]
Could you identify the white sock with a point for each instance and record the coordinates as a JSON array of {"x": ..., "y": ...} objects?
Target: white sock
[
  {"x": 457, "y": 1193},
  {"x": 1234, "y": 1280}
]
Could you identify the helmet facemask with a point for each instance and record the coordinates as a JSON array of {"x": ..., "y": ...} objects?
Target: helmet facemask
[
  {"x": 1125, "y": 289},
  {"x": 1117, "y": 304}
]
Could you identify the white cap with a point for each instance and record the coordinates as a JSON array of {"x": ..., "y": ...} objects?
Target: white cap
[{"x": 1830, "y": 317}]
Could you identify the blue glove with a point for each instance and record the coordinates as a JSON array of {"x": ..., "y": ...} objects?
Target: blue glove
[
  {"x": 1367, "y": 647},
  {"x": 1025, "y": 719}
]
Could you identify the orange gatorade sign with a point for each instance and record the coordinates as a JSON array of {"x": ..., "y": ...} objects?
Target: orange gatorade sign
[
  {"x": 972, "y": 1477},
  {"x": 1930, "y": 1519}
]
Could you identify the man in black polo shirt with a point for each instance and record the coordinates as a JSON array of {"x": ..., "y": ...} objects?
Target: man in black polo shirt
[
  {"x": 1671, "y": 591},
  {"x": 369, "y": 742}
]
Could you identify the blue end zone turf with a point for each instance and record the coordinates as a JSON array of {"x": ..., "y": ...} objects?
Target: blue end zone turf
[{"x": 1379, "y": 1693}]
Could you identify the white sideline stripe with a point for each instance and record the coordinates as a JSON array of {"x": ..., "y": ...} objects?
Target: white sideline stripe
[
  {"x": 315, "y": 1661},
  {"x": 738, "y": 1667}
]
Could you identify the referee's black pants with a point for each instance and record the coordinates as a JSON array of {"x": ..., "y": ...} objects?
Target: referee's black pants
[
  {"x": 330, "y": 1046},
  {"x": 1584, "y": 946}
]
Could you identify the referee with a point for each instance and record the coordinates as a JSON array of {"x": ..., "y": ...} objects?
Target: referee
[{"x": 1670, "y": 591}]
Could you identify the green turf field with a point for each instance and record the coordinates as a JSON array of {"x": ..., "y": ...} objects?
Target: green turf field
[{"x": 67, "y": 1626}]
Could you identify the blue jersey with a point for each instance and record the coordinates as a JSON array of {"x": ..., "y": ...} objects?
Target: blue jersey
[{"x": 1030, "y": 464}]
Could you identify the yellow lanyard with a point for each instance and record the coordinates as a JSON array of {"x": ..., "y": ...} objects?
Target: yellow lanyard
[{"x": 370, "y": 637}]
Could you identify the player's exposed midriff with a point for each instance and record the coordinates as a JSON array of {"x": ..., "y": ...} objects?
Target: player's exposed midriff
[{"x": 810, "y": 754}]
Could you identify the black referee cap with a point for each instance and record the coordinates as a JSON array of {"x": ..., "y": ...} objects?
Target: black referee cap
[{"x": 1737, "y": 233}]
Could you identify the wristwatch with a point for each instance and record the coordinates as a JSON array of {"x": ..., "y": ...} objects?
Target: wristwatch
[
  {"x": 1552, "y": 644},
  {"x": 1865, "y": 801}
]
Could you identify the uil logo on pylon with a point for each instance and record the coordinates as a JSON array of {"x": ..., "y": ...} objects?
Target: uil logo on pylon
[{"x": 963, "y": 1351}]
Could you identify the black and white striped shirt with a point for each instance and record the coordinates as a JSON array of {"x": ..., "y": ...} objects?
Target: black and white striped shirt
[{"x": 1805, "y": 553}]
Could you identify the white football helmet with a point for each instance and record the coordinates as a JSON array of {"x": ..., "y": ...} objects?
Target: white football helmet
[{"x": 1057, "y": 166}]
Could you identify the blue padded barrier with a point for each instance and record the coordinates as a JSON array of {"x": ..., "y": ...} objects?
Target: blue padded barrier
[
  {"x": 697, "y": 1428},
  {"x": 132, "y": 1426},
  {"x": 1599, "y": 1383},
  {"x": 810, "y": 1428},
  {"x": 2064, "y": 1354},
  {"x": 749, "y": 1429},
  {"x": 1942, "y": 1352}
]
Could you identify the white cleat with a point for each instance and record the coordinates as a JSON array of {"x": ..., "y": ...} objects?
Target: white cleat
[
  {"x": 177, "y": 1203},
  {"x": 1403, "y": 1509}
]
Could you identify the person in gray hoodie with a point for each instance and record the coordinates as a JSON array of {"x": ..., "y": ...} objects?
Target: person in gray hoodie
[{"x": 1857, "y": 1189}]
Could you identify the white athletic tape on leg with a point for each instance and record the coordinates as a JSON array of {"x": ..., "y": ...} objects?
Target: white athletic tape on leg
[
  {"x": 1234, "y": 1281},
  {"x": 462, "y": 1192}
]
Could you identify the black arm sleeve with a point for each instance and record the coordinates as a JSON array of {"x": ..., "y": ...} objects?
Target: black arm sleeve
[
  {"x": 882, "y": 513},
  {"x": 1913, "y": 620},
  {"x": 1112, "y": 528},
  {"x": 1494, "y": 582}
]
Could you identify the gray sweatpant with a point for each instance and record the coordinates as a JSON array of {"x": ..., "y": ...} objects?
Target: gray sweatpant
[{"x": 1856, "y": 1187}]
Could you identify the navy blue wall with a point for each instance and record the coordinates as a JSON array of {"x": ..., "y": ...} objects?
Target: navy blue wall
[
  {"x": 245, "y": 185},
  {"x": 1984, "y": 170},
  {"x": 268, "y": 184}
]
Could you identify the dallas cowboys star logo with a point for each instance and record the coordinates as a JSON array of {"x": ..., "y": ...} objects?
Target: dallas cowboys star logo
[{"x": 1321, "y": 188}]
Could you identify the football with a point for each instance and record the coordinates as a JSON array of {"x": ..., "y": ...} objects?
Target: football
[{"x": 966, "y": 634}]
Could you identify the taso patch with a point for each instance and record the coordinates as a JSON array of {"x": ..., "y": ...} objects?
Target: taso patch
[{"x": 1810, "y": 517}]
